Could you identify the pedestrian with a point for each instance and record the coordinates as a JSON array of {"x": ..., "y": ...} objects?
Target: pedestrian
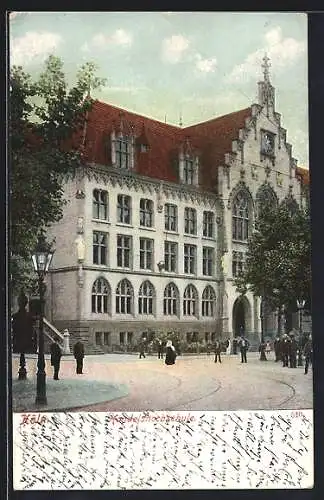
[
  {"x": 308, "y": 353},
  {"x": 78, "y": 352},
  {"x": 142, "y": 348},
  {"x": 277, "y": 348},
  {"x": 285, "y": 348},
  {"x": 160, "y": 349},
  {"x": 208, "y": 348},
  {"x": 228, "y": 349},
  {"x": 218, "y": 349},
  {"x": 170, "y": 353},
  {"x": 293, "y": 347},
  {"x": 268, "y": 347},
  {"x": 262, "y": 351},
  {"x": 244, "y": 345},
  {"x": 56, "y": 354}
]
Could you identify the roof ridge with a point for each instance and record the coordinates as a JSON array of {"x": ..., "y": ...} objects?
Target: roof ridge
[
  {"x": 137, "y": 114},
  {"x": 217, "y": 118}
]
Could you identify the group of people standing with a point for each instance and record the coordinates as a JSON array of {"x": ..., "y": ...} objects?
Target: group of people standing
[
  {"x": 170, "y": 351},
  {"x": 287, "y": 348},
  {"x": 56, "y": 355}
]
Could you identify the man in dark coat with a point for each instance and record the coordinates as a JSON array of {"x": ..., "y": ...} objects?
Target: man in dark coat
[
  {"x": 235, "y": 345},
  {"x": 218, "y": 350},
  {"x": 56, "y": 355},
  {"x": 78, "y": 352},
  {"x": 293, "y": 352},
  {"x": 244, "y": 345},
  {"x": 142, "y": 348},
  {"x": 308, "y": 352},
  {"x": 285, "y": 349},
  {"x": 160, "y": 349},
  {"x": 276, "y": 346}
]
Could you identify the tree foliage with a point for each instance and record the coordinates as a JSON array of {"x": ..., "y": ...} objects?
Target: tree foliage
[
  {"x": 278, "y": 264},
  {"x": 45, "y": 115}
]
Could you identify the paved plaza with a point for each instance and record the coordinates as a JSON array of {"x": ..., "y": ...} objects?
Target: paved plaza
[{"x": 114, "y": 382}]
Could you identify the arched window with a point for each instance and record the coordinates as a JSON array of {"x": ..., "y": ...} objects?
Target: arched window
[
  {"x": 145, "y": 298},
  {"x": 99, "y": 296},
  {"x": 265, "y": 199},
  {"x": 124, "y": 297},
  {"x": 190, "y": 301},
  {"x": 208, "y": 301},
  {"x": 241, "y": 217},
  {"x": 171, "y": 299}
]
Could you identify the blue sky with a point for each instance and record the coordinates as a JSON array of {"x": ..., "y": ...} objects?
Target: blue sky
[{"x": 199, "y": 64}]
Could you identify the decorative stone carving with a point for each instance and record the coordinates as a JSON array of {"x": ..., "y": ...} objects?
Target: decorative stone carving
[
  {"x": 279, "y": 179},
  {"x": 254, "y": 172}
]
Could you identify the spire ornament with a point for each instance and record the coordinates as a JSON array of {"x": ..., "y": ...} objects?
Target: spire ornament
[
  {"x": 266, "y": 90},
  {"x": 266, "y": 65}
]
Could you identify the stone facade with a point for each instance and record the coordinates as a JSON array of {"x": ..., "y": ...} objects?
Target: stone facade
[{"x": 246, "y": 167}]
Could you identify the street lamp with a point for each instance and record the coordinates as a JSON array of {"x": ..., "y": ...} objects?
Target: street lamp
[
  {"x": 41, "y": 258},
  {"x": 300, "y": 306},
  {"x": 262, "y": 349}
]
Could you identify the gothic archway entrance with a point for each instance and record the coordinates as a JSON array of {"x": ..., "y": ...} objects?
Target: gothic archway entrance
[{"x": 241, "y": 320}]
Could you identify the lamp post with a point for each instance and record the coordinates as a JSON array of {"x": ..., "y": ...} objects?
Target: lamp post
[
  {"x": 262, "y": 348},
  {"x": 300, "y": 306},
  {"x": 41, "y": 258}
]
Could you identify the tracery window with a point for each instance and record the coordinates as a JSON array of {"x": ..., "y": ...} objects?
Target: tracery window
[{"x": 240, "y": 218}]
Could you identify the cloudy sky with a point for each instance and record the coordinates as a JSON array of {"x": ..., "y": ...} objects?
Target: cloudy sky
[{"x": 163, "y": 64}]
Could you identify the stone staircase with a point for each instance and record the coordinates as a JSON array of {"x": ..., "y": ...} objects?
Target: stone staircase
[{"x": 51, "y": 334}]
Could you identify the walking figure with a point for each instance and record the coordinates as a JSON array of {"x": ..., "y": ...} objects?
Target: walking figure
[
  {"x": 218, "y": 349},
  {"x": 160, "y": 349},
  {"x": 308, "y": 353},
  {"x": 244, "y": 345},
  {"x": 277, "y": 348},
  {"x": 78, "y": 351},
  {"x": 170, "y": 353},
  {"x": 142, "y": 349},
  {"x": 285, "y": 348},
  {"x": 293, "y": 347},
  {"x": 268, "y": 347},
  {"x": 56, "y": 354}
]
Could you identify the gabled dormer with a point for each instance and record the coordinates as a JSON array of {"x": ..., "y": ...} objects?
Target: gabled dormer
[
  {"x": 188, "y": 164},
  {"x": 122, "y": 144}
]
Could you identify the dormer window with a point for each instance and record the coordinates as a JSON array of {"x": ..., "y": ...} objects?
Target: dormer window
[
  {"x": 123, "y": 151},
  {"x": 188, "y": 171}
]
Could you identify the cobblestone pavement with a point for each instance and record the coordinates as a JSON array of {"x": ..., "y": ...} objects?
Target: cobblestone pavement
[{"x": 193, "y": 383}]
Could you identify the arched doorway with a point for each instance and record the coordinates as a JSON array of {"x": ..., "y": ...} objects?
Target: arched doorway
[{"x": 241, "y": 320}]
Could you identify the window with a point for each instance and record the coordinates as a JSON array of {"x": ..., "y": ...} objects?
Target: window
[
  {"x": 170, "y": 217},
  {"x": 171, "y": 299},
  {"x": 145, "y": 298},
  {"x": 146, "y": 253},
  {"x": 188, "y": 171},
  {"x": 267, "y": 143},
  {"x": 190, "y": 301},
  {"x": 99, "y": 297},
  {"x": 190, "y": 219},
  {"x": 240, "y": 217},
  {"x": 170, "y": 256},
  {"x": 124, "y": 247},
  {"x": 208, "y": 224},
  {"x": 146, "y": 212},
  {"x": 122, "y": 336},
  {"x": 208, "y": 302},
  {"x": 208, "y": 261},
  {"x": 99, "y": 248},
  {"x": 100, "y": 204},
  {"x": 130, "y": 337},
  {"x": 98, "y": 338},
  {"x": 190, "y": 259},
  {"x": 124, "y": 296},
  {"x": 237, "y": 263},
  {"x": 123, "y": 152},
  {"x": 265, "y": 199},
  {"x": 124, "y": 209},
  {"x": 106, "y": 338}
]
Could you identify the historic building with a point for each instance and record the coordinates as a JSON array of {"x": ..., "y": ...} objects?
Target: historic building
[{"x": 155, "y": 231}]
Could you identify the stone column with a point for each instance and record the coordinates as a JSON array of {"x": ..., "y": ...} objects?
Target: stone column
[{"x": 66, "y": 342}]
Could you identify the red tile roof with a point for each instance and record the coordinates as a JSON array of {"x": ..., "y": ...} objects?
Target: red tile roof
[
  {"x": 211, "y": 140},
  {"x": 304, "y": 174}
]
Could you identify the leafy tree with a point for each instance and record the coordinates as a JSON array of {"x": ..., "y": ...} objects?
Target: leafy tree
[
  {"x": 278, "y": 264},
  {"x": 45, "y": 120}
]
